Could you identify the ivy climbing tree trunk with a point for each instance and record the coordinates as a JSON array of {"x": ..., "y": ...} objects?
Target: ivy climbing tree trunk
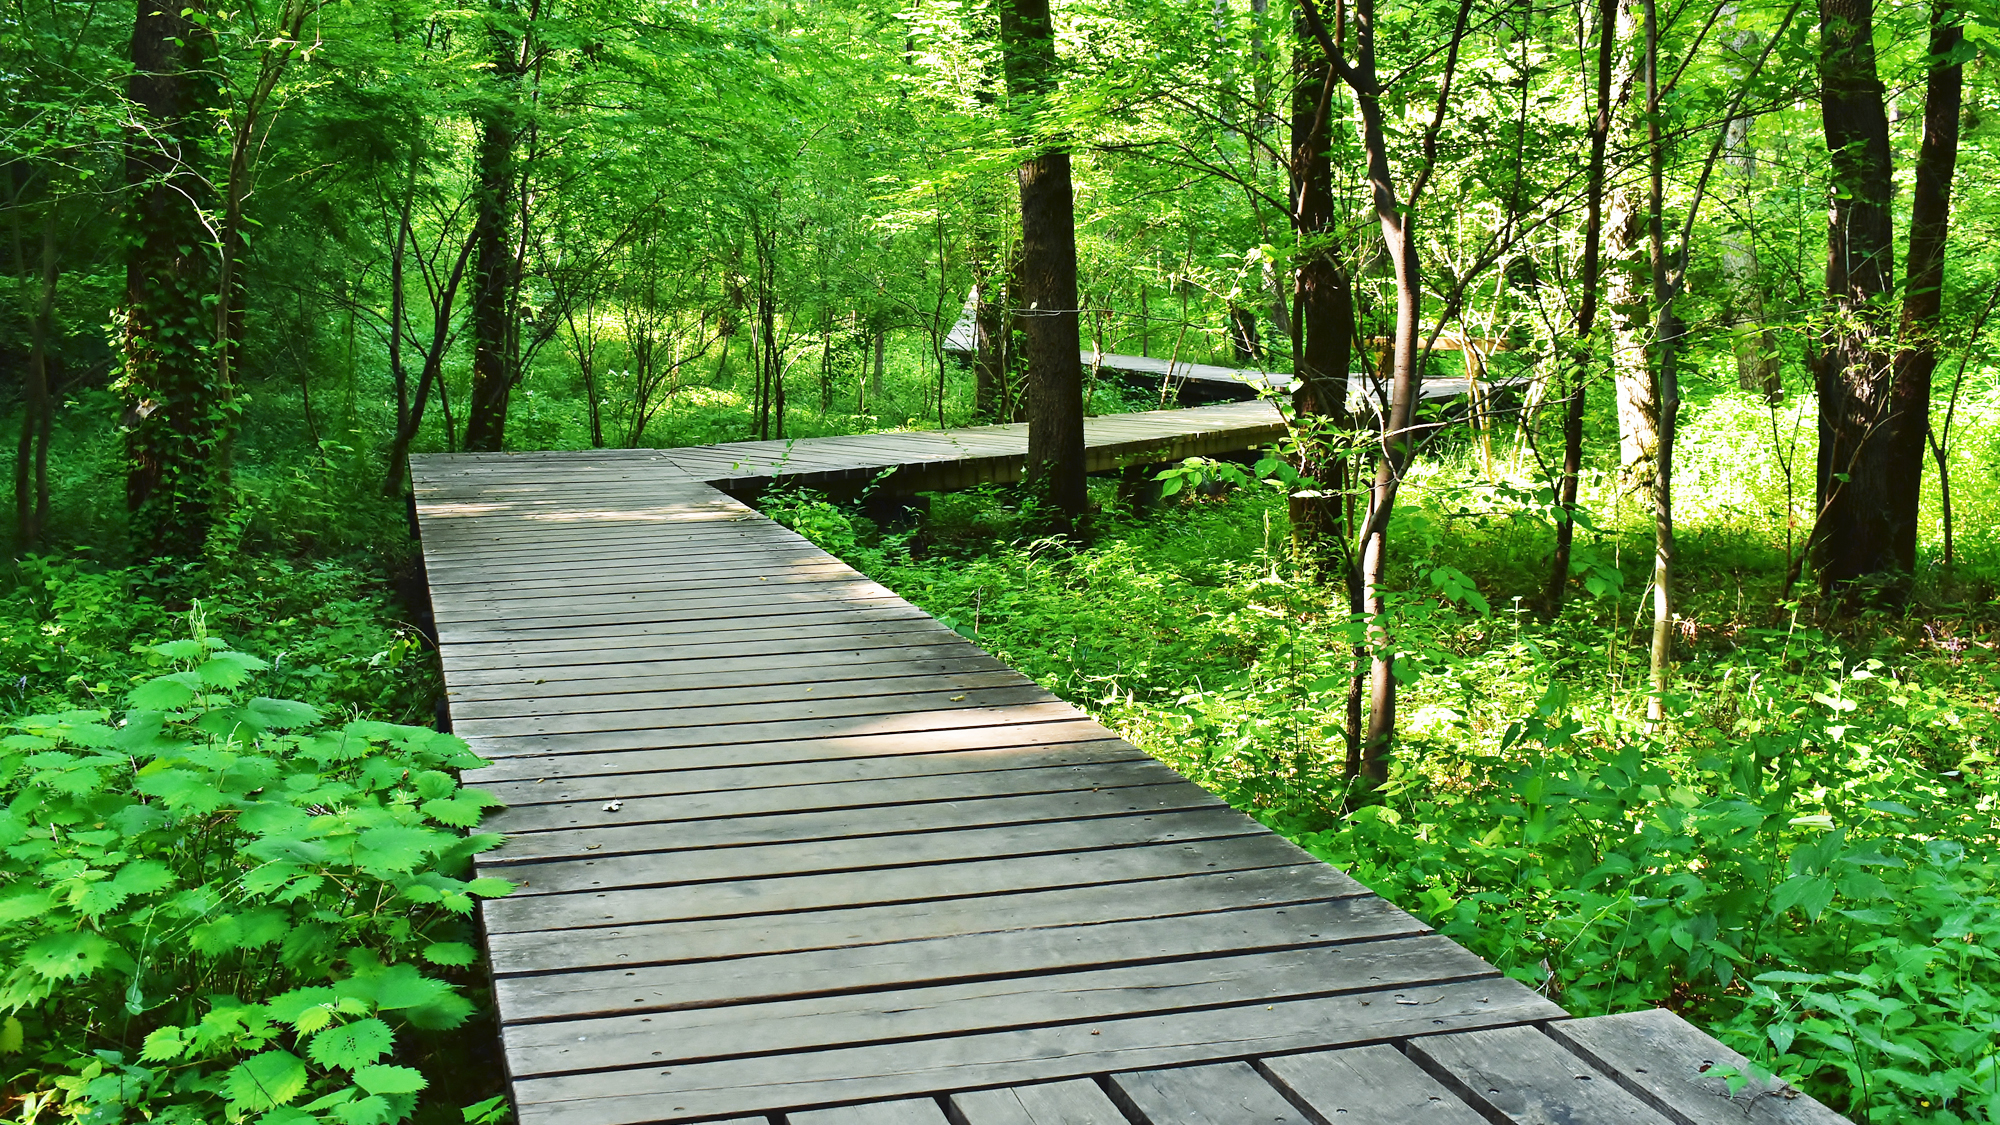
[
  {"x": 1046, "y": 298},
  {"x": 176, "y": 416},
  {"x": 495, "y": 272}
]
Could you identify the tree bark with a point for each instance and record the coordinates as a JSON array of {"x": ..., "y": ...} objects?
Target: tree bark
[
  {"x": 176, "y": 419},
  {"x": 494, "y": 273},
  {"x": 1755, "y": 345},
  {"x": 1923, "y": 300},
  {"x": 31, "y": 462},
  {"x": 1585, "y": 329},
  {"x": 1628, "y": 287},
  {"x": 1047, "y": 295},
  {"x": 1864, "y": 543},
  {"x": 1322, "y": 327}
]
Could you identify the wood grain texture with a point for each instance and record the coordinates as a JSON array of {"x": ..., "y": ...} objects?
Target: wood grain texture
[
  {"x": 912, "y": 1111},
  {"x": 1520, "y": 1075},
  {"x": 1679, "y": 1070},
  {"x": 1368, "y": 1086},
  {"x": 1049, "y": 1103},
  {"x": 1220, "y": 1094}
]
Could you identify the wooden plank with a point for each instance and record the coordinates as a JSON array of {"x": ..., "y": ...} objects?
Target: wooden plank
[
  {"x": 1228, "y": 1093},
  {"x": 913, "y": 1111},
  {"x": 693, "y": 715},
  {"x": 1172, "y": 882},
  {"x": 728, "y": 743},
  {"x": 806, "y": 762},
  {"x": 615, "y": 836},
  {"x": 1673, "y": 1066},
  {"x": 653, "y": 623},
  {"x": 765, "y": 667},
  {"x": 749, "y": 691},
  {"x": 1519, "y": 1075},
  {"x": 633, "y": 859},
  {"x": 1098, "y": 852},
  {"x": 1368, "y": 1086},
  {"x": 1022, "y": 1055},
  {"x": 681, "y": 1037},
  {"x": 1049, "y": 1103},
  {"x": 867, "y": 797},
  {"x": 755, "y": 643},
  {"x": 895, "y": 966}
]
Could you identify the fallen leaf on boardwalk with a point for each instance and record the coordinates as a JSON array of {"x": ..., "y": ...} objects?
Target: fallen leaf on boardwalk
[
  {"x": 614, "y": 806},
  {"x": 958, "y": 699}
]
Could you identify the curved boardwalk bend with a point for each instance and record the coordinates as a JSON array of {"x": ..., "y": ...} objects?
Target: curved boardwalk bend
[{"x": 790, "y": 851}]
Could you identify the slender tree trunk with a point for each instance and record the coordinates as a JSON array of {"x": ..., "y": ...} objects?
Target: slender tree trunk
[
  {"x": 177, "y": 419},
  {"x": 31, "y": 462},
  {"x": 1865, "y": 538},
  {"x": 1582, "y": 357},
  {"x": 1755, "y": 345},
  {"x": 1323, "y": 327},
  {"x": 1923, "y": 301},
  {"x": 1047, "y": 295},
  {"x": 433, "y": 375},
  {"x": 494, "y": 275},
  {"x": 1665, "y": 344},
  {"x": 1628, "y": 282}
]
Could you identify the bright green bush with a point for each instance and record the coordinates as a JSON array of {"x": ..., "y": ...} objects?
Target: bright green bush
[{"x": 215, "y": 906}]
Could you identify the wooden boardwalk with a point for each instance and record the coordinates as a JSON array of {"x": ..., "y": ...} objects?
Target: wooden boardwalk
[{"x": 790, "y": 851}]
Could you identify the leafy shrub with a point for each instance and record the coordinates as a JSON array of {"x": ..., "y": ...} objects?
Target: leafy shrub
[{"x": 216, "y": 906}]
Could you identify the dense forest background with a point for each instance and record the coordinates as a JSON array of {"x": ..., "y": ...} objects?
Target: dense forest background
[{"x": 1660, "y": 670}]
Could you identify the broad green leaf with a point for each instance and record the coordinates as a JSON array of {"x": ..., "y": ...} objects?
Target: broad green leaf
[
  {"x": 353, "y": 1045},
  {"x": 21, "y": 903},
  {"x": 265, "y": 1081},
  {"x": 166, "y": 693},
  {"x": 68, "y": 956},
  {"x": 397, "y": 848},
  {"x": 390, "y": 1080},
  {"x": 183, "y": 648},
  {"x": 228, "y": 669},
  {"x": 281, "y": 714},
  {"x": 455, "y": 953}
]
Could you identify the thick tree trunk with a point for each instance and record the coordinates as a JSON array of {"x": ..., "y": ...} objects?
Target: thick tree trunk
[
  {"x": 1046, "y": 297},
  {"x": 494, "y": 272},
  {"x": 176, "y": 419},
  {"x": 1322, "y": 327},
  {"x": 1865, "y": 538},
  {"x": 1628, "y": 285}
]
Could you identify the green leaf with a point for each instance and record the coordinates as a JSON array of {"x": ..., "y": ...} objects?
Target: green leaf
[
  {"x": 352, "y": 1046},
  {"x": 164, "y": 1044},
  {"x": 12, "y": 1036},
  {"x": 390, "y": 1080},
  {"x": 455, "y": 953},
  {"x": 458, "y": 812},
  {"x": 167, "y": 693},
  {"x": 23, "y": 903},
  {"x": 68, "y": 956},
  {"x": 264, "y": 1081},
  {"x": 182, "y": 649},
  {"x": 396, "y": 848},
  {"x": 487, "y": 886},
  {"x": 228, "y": 669},
  {"x": 304, "y": 1005},
  {"x": 281, "y": 714}
]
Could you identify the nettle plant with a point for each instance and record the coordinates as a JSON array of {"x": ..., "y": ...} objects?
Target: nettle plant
[{"x": 214, "y": 906}]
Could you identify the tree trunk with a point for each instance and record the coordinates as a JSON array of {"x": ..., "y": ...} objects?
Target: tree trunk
[
  {"x": 1755, "y": 345},
  {"x": 1864, "y": 543},
  {"x": 176, "y": 419},
  {"x": 1628, "y": 286},
  {"x": 1322, "y": 327},
  {"x": 31, "y": 462},
  {"x": 1923, "y": 301},
  {"x": 494, "y": 273},
  {"x": 1585, "y": 331},
  {"x": 1665, "y": 368},
  {"x": 1047, "y": 297}
]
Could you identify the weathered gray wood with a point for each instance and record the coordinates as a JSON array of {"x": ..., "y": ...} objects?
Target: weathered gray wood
[
  {"x": 1219, "y": 1094},
  {"x": 1677, "y": 1068},
  {"x": 1015, "y": 952},
  {"x": 1049, "y": 1103},
  {"x": 913, "y": 1111},
  {"x": 1519, "y": 1075},
  {"x": 1369, "y": 1086},
  {"x": 1008, "y": 1057},
  {"x": 1052, "y": 810},
  {"x": 634, "y": 808},
  {"x": 756, "y": 765},
  {"x": 519, "y": 922},
  {"x": 857, "y": 859},
  {"x": 825, "y": 656},
  {"x": 912, "y": 698},
  {"x": 925, "y": 1011},
  {"x": 580, "y": 657},
  {"x": 729, "y": 743},
  {"x": 800, "y": 687}
]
